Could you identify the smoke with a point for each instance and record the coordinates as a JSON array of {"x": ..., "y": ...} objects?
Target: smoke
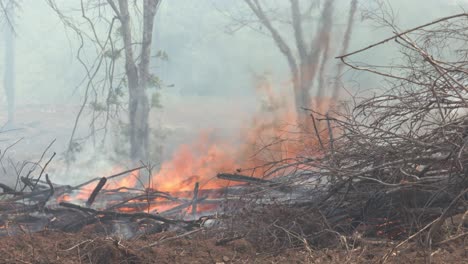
[
  {"x": 208, "y": 67},
  {"x": 321, "y": 44},
  {"x": 346, "y": 41},
  {"x": 9, "y": 79},
  {"x": 325, "y": 56}
]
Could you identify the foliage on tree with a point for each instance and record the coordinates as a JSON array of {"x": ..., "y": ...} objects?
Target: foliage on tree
[{"x": 121, "y": 69}]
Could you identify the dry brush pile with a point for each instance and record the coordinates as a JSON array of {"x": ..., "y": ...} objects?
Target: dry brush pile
[
  {"x": 395, "y": 166},
  {"x": 400, "y": 160}
]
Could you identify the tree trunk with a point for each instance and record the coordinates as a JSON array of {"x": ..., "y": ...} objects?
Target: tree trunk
[
  {"x": 302, "y": 84},
  {"x": 139, "y": 128},
  {"x": 138, "y": 78},
  {"x": 140, "y": 134},
  {"x": 305, "y": 64},
  {"x": 9, "y": 78}
]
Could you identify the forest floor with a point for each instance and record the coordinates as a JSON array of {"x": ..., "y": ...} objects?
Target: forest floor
[{"x": 88, "y": 247}]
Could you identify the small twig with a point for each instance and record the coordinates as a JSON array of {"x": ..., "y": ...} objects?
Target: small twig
[
  {"x": 6, "y": 150},
  {"x": 38, "y": 162},
  {"x": 386, "y": 256},
  {"x": 451, "y": 239},
  {"x": 317, "y": 132},
  {"x": 224, "y": 241},
  {"x": 108, "y": 177},
  {"x": 401, "y": 34},
  {"x": 436, "y": 226},
  {"x": 77, "y": 245},
  {"x": 330, "y": 133},
  {"x": 182, "y": 206},
  {"x": 42, "y": 171},
  {"x": 240, "y": 178},
  {"x": 172, "y": 238},
  {"x": 462, "y": 222}
]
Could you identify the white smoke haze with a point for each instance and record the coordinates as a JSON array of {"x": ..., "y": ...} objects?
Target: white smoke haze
[{"x": 212, "y": 72}]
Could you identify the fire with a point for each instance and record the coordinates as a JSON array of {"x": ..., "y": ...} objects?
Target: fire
[
  {"x": 129, "y": 181},
  {"x": 197, "y": 162},
  {"x": 270, "y": 136},
  {"x": 64, "y": 198},
  {"x": 273, "y": 134}
]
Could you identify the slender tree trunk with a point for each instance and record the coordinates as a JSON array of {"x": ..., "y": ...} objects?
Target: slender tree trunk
[
  {"x": 140, "y": 134},
  {"x": 138, "y": 78},
  {"x": 9, "y": 78},
  {"x": 302, "y": 98},
  {"x": 346, "y": 41},
  {"x": 302, "y": 84},
  {"x": 309, "y": 59}
]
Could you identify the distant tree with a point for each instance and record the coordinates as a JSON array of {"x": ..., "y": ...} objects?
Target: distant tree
[
  {"x": 7, "y": 17},
  {"x": 138, "y": 76},
  {"x": 307, "y": 53},
  {"x": 133, "y": 37}
]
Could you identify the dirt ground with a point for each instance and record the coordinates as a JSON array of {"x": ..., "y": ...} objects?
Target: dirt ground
[{"x": 88, "y": 247}]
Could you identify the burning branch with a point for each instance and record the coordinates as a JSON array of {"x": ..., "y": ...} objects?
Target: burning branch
[{"x": 95, "y": 192}]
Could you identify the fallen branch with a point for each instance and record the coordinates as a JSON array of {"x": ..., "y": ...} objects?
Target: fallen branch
[
  {"x": 95, "y": 192},
  {"x": 448, "y": 240},
  {"x": 8, "y": 190},
  {"x": 241, "y": 178},
  {"x": 125, "y": 215},
  {"x": 108, "y": 177},
  {"x": 182, "y": 206},
  {"x": 195, "y": 200}
]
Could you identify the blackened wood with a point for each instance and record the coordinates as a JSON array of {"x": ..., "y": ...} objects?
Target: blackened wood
[
  {"x": 182, "y": 206},
  {"x": 42, "y": 171},
  {"x": 143, "y": 197},
  {"x": 226, "y": 240},
  {"x": 51, "y": 191},
  {"x": 96, "y": 190},
  {"x": 195, "y": 199},
  {"x": 240, "y": 178},
  {"x": 118, "y": 214},
  {"x": 27, "y": 182},
  {"x": 8, "y": 190},
  {"x": 109, "y": 177},
  {"x": 36, "y": 195}
]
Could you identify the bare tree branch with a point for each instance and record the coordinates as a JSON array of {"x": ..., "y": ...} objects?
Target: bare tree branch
[{"x": 256, "y": 7}]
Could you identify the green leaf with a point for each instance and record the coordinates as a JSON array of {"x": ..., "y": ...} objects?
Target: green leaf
[
  {"x": 156, "y": 101},
  {"x": 154, "y": 81},
  {"x": 162, "y": 55}
]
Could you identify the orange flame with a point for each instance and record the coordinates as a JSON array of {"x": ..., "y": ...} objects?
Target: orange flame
[
  {"x": 197, "y": 162},
  {"x": 271, "y": 135}
]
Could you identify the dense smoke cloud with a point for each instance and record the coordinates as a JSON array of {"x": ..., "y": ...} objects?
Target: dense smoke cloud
[{"x": 210, "y": 63}]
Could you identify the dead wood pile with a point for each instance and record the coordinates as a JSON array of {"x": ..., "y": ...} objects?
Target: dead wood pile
[
  {"x": 392, "y": 166},
  {"x": 399, "y": 159},
  {"x": 35, "y": 205}
]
